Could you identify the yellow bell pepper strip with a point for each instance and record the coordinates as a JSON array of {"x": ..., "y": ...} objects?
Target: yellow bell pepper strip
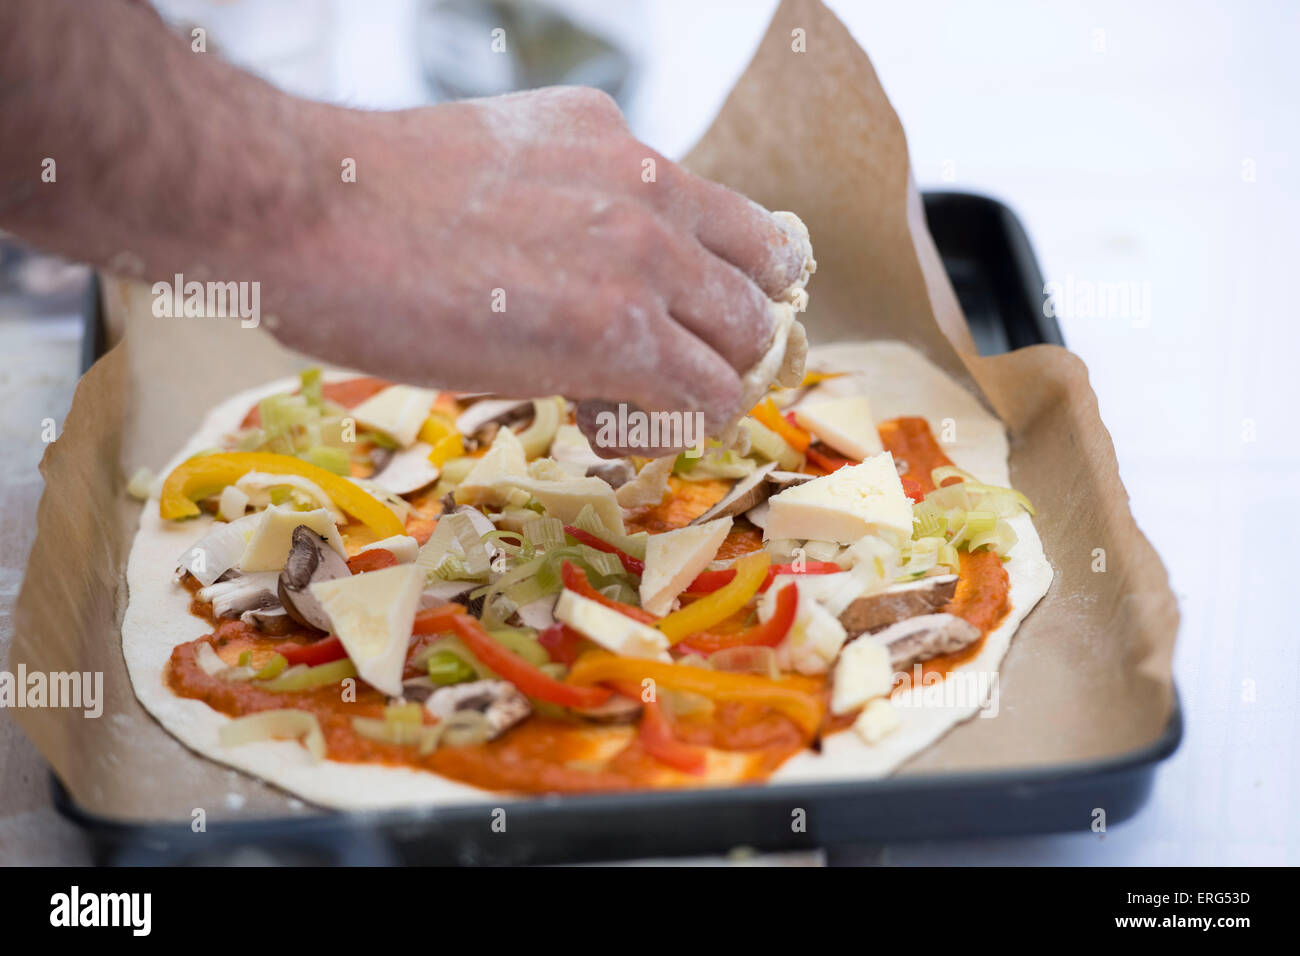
[
  {"x": 802, "y": 707},
  {"x": 446, "y": 448},
  {"x": 766, "y": 413},
  {"x": 205, "y": 476},
  {"x": 436, "y": 427},
  {"x": 751, "y": 572}
]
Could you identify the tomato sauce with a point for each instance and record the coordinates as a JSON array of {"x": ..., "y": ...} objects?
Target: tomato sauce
[{"x": 554, "y": 754}]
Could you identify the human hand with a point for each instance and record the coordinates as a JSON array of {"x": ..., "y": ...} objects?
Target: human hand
[{"x": 513, "y": 244}]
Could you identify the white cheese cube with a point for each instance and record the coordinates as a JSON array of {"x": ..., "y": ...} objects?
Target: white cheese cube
[
  {"x": 402, "y": 546},
  {"x": 846, "y": 424},
  {"x": 861, "y": 673},
  {"x": 673, "y": 559},
  {"x": 397, "y": 411},
  {"x": 610, "y": 629},
  {"x": 372, "y": 614},
  {"x": 844, "y": 506},
  {"x": 269, "y": 546},
  {"x": 878, "y": 720}
]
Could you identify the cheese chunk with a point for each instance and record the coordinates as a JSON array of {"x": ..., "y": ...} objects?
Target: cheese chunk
[
  {"x": 878, "y": 720},
  {"x": 675, "y": 558},
  {"x": 269, "y": 546},
  {"x": 398, "y": 411},
  {"x": 563, "y": 498},
  {"x": 861, "y": 673},
  {"x": 373, "y": 614},
  {"x": 816, "y": 636},
  {"x": 610, "y": 629},
  {"x": 843, "y": 423},
  {"x": 845, "y": 505},
  {"x": 489, "y": 482},
  {"x": 402, "y": 546}
]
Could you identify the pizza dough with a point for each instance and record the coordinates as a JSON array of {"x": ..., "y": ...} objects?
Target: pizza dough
[{"x": 898, "y": 380}]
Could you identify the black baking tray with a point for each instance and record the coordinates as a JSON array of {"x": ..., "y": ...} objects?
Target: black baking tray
[{"x": 992, "y": 267}]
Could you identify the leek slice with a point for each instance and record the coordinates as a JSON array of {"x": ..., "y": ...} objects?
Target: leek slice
[
  {"x": 300, "y": 677},
  {"x": 275, "y": 725},
  {"x": 548, "y": 415},
  {"x": 630, "y": 544}
]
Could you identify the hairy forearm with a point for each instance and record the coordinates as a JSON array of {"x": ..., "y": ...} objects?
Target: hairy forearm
[{"x": 122, "y": 147}]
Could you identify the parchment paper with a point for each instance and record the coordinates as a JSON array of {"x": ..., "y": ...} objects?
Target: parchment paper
[{"x": 1088, "y": 675}]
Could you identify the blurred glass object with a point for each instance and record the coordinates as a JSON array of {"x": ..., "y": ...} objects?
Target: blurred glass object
[
  {"x": 473, "y": 48},
  {"x": 285, "y": 42}
]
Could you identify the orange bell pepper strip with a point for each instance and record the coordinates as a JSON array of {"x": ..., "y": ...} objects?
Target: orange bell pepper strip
[
  {"x": 575, "y": 579},
  {"x": 802, "y": 707},
  {"x": 766, "y": 413},
  {"x": 769, "y": 633},
  {"x": 206, "y": 475},
  {"x": 827, "y": 463},
  {"x": 656, "y": 736},
  {"x": 751, "y": 571}
]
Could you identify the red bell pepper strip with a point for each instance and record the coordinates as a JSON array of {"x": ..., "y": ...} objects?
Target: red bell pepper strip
[
  {"x": 630, "y": 564},
  {"x": 575, "y": 579},
  {"x": 656, "y": 736},
  {"x": 825, "y": 462},
  {"x": 769, "y": 633},
  {"x": 912, "y": 489},
  {"x": 562, "y": 642},
  {"x": 375, "y": 559},
  {"x": 436, "y": 620},
  {"x": 319, "y": 652},
  {"x": 709, "y": 581},
  {"x": 511, "y": 667}
]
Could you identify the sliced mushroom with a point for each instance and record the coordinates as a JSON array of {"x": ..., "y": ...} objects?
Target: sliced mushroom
[
  {"x": 310, "y": 561},
  {"x": 921, "y": 638},
  {"x": 445, "y": 592},
  {"x": 757, "y": 515},
  {"x": 492, "y": 410},
  {"x": 616, "y": 472},
  {"x": 900, "y": 602},
  {"x": 271, "y": 620},
  {"x": 787, "y": 478},
  {"x": 746, "y": 493},
  {"x": 497, "y": 700},
  {"x": 617, "y": 710},
  {"x": 407, "y": 471},
  {"x": 244, "y": 592},
  {"x": 418, "y": 689}
]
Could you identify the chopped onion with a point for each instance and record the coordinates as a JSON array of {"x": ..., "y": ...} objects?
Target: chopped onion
[
  {"x": 219, "y": 550},
  {"x": 275, "y": 725},
  {"x": 208, "y": 660}
]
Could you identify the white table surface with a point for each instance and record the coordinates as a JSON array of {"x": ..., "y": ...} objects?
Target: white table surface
[{"x": 1153, "y": 143}]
